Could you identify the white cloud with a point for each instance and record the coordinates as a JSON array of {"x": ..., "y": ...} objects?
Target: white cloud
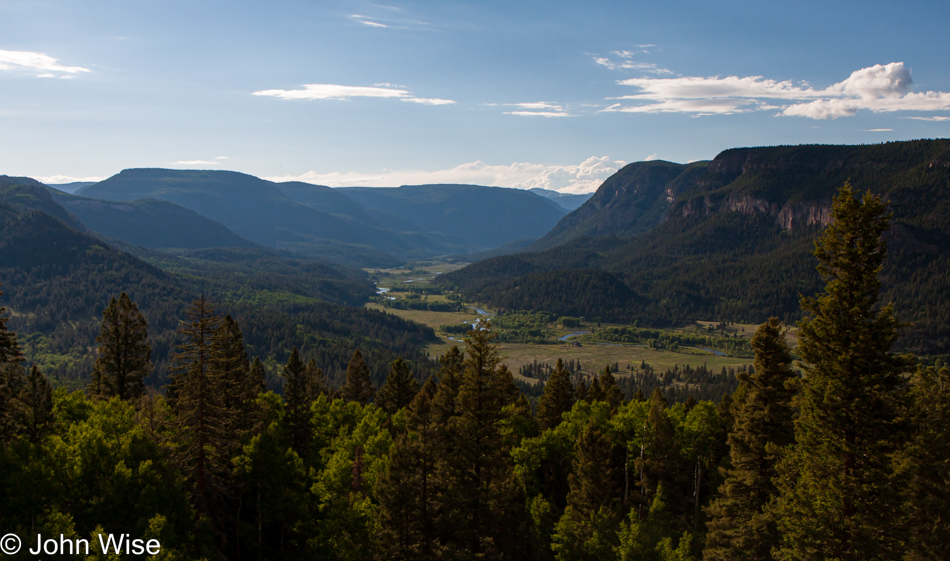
[
  {"x": 537, "y": 109},
  {"x": 369, "y": 23},
  {"x": 651, "y": 157},
  {"x": 312, "y": 92},
  {"x": 580, "y": 178},
  {"x": 623, "y": 60},
  {"x": 879, "y": 88},
  {"x": 935, "y": 118},
  {"x": 59, "y": 179},
  {"x": 879, "y": 130},
  {"x": 194, "y": 163},
  {"x": 222, "y": 157},
  {"x": 45, "y": 65},
  {"x": 428, "y": 101}
]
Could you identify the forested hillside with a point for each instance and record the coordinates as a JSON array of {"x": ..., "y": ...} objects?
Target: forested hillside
[
  {"x": 57, "y": 281},
  {"x": 734, "y": 243}
]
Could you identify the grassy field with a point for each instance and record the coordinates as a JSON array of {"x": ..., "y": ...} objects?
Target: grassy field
[
  {"x": 747, "y": 330},
  {"x": 593, "y": 357}
]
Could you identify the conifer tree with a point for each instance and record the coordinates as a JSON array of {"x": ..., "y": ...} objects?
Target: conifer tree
[
  {"x": 36, "y": 406},
  {"x": 595, "y": 392},
  {"x": 257, "y": 376},
  {"x": 450, "y": 378},
  {"x": 9, "y": 347},
  {"x": 484, "y": 495},
  {"x": 124, "y": 353},
  {"x": 318, "y": 380},
  {"x": 838, "y": 493},
  {"x": 925, "y": 466},
  {"x": 557, "y": 399},
  {"x": 588, "y": 528},
  {"x": 231, "y": 370},
  {"x": 611, "y": 391},
  {"x": 740, "y": 527},
  {"x": 400, "y": 388},
  {"x": 201, "y": 427},
  {"x": 358, "y": 386},
  {"x": 299, "y": 393}
]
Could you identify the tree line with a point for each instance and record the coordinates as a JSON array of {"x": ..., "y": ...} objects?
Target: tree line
[{"x": 845, "y": 459}]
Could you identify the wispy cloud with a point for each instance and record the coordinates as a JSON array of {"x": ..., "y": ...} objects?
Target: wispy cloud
[
  {"x": 580, "y": 178},
  {"x": 879, "y": 88},
  {"x": 313, "y": 92},
  {"x": 624, "y": 60},
  {"x": 878, "y": 130},
  {"x": 195, "y": 163},
  {"x": 43, "y": 65},
  {"x": 60, "y": 179},
  {"x": 537, "y": 109},
  {"x": 935, "y": 118}
]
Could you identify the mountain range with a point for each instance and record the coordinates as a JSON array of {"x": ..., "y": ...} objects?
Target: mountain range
[
  {"x": 356, "y": 226},
  {"x": 731, "y": 239}
]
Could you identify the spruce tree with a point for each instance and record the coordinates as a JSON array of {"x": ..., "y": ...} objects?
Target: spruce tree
[
  {"x": 557, "y": 399},
  {"x": 299, "y": 393},
  {"x": 588, "y": 528},
  {"x": 839, "y": 495},
  {"x": 36, "y": 406},
  {"x": 739, "y": 527},
  {"x": 201, "y": 427},
  {"x": 925, "y": 466},
  {"x": 611, "y": 391},
  {"x": 400, "y": 388},
  {"x": 483, "y": 496},
  {"x": 9, "y": 347},
  {"x": 318, "y": 380},
  {"x": 124, "y": 353},
  {"x": 358, "y": 386}
]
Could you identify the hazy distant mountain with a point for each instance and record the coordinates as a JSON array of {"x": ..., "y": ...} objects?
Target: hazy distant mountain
[
  {"x": 24, "y": 192},
  {"x": 488, "y": 217},
  {"x": 261, "y": 212},
  {"x": 569, "y": 201},
  {"x": 71, "y": 187},
  {"x": 150, "y": 223}
]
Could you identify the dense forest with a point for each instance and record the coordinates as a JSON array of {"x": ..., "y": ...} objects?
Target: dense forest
[
  {"x": 732, "y": 240},
  {"x": 843, "y": 455}
]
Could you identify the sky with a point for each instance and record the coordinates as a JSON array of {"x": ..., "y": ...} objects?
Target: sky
[{"x": 524, "y": 94}]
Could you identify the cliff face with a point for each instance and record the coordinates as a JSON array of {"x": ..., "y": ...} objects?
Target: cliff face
[{"x": 787, "y": 217}]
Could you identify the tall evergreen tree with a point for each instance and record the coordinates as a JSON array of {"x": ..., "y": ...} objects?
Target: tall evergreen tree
[
  {"x": 9, "y": 347},
  {"x": 299, "y": 393},
  {"x": 483, "y": 497},
  {"x": 739, "y": 526},
  {"x": 400, "y": 388},
  {"x": 558, "y": 397},
  {"x": 124, "y": 353},
  {"x": 838, "y": 492},
  {"x": 588, "y": 528},
  {"x": 201, "y": 427},
  {"x": 35, "y": 407},
  {"x": 611, "y": 391},
  {"x": 358, "y": 386},
  {"x": 925, "y": 467}
]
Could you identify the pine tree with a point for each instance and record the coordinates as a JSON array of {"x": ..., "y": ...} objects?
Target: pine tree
[
  {"x": 231, "y": 370},
  {"x": 558, "y": 397},
  {"x": 201, "y": 426},
  {"x": 318, "y": 380},
  {"x": 257, "y": 376},
  {"x": 124, "y": 353},
  {"x": 838, "y": 492},
  {"x": 925, "y": 467},
  {"x": 35, "y": 409},
  {"x": 739, "y": 527},
  {"x": 299, "y": 393},
  {"x": 9, "y": 347},
  {"x": 611, "y": 391},
  {"x": 483, "y": 495},
  {"x": 358, "y": 386},
  {"x": 400, "y": 388},
  {"x": 588, "y": 528}
]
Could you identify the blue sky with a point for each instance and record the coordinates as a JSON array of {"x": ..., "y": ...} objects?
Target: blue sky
[{"x": 520, "y": 94}]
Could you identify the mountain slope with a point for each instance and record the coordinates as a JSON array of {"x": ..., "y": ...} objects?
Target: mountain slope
[
  {"x": 258, "y": 211},
  {"x": 488, "y": 217},
  {"x": 150, "y": 223},
  {"x": 735, "y": 243}
]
